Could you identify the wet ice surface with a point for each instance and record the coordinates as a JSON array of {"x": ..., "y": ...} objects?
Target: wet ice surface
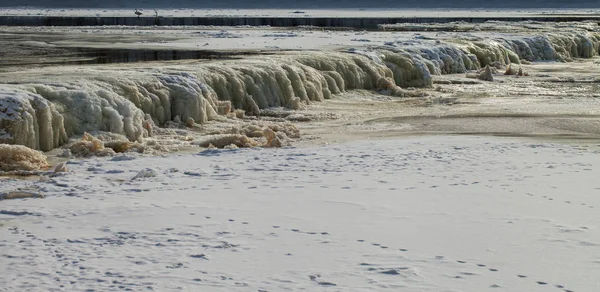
[
  {"x": 419, "y": 214},
  {"x": 276, "y": 39},
  {"x": 544, "y": 106}
]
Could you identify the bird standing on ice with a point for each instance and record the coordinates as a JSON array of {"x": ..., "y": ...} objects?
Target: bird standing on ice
[{"x": 138, "y": 13}]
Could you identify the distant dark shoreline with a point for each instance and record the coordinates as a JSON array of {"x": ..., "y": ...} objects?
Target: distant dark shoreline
[
  {"x": 293, "y": 7},
  {"x": 324, "y": 22},
  {"x": 305, "y": 4}
]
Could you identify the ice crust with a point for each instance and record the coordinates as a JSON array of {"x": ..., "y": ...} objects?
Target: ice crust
[{"x": 44, "y": 116}]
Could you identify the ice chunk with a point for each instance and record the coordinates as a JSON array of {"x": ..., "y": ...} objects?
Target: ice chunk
[
  {"x": 20, "y": 195},
  {"x": 18, "y": 157},
  {"x": 222, "y": 140},
  {"x": 145, "y": 173}
]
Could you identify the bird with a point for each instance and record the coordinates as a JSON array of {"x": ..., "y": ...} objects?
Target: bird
[{"x": 138, "y": 13}]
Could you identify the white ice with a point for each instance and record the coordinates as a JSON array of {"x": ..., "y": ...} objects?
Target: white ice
[{"x": 124, "y": 101}]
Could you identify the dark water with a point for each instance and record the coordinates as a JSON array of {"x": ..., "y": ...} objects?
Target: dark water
[
  {"x": 109, "y": 56},
  {"x": 293, "y": 21},
  {"x": 83, "y": 56}
]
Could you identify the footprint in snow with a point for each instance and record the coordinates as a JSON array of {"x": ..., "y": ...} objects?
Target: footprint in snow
[
  {"x": 199, "y": 256},
  {"x": 316, "y": 278}
]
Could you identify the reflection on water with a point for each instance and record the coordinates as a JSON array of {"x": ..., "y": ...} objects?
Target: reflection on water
[
  {"x": 108, "y": 56},
  {"x": 83, "y": 56}
]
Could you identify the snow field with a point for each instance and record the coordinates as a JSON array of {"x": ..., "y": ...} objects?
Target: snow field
[{"x": 417, "y": 214}]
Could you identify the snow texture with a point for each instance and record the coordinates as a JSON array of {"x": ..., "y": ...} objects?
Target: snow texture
[{"x": 415, "y": 214}]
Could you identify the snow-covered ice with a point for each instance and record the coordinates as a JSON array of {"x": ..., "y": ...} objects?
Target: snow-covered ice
[
  {"x": 414, "y": 214},
  {"x": 393, "y": 182}
]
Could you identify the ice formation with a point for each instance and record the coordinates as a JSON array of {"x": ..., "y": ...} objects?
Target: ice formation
[
  {"x": 43, "y": 116},
  {"x": 224, "y": 140},
  {"x": 19, "y": 157},
  {"x": 30, "y": 120},
  {"x": 251, "y": 135},
  {"x": 132, "y": 103},
  {"x": 61, "y": 167},
  {"x": 90, "y": 146},
  {"x": 145, "y": 173},
  {"x": 486, "y": 74},
  {"x": 20, "y": 195},
  {"x": 511, "y": 71},
  {"x": 105, "y": 145}
]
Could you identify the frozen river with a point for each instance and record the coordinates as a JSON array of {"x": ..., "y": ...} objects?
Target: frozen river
[{"x": 416, "y": 157}]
